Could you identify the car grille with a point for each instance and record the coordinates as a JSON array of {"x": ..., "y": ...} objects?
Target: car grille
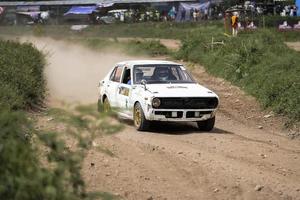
[{"x": 189, "y": 103}]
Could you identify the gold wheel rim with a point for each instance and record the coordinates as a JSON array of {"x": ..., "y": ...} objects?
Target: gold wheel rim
[
  {"x": 106, "y": 106},
  {"x": 137, "y": 117}
]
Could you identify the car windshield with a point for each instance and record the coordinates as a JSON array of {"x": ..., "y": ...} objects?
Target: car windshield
[{"x": 159, "y": 74}]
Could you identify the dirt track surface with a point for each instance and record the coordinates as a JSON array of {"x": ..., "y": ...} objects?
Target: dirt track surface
[{"x": 247, "y": 156}]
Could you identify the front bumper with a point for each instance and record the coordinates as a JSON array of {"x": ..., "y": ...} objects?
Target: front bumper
[{"x": 180, "y": 116}]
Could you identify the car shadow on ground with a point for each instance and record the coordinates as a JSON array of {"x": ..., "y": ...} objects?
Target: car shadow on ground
[
  {"x": 177, "y": 128},
  {"x": 181, "y": 128}
]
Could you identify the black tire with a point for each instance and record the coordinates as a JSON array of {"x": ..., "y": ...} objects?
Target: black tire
[
  {"x": 105, "y": 106},
  {"x": 140, "y": 122},
  {"x": 206, "y": 125}
]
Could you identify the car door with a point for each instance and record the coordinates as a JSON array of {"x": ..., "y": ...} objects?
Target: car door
[
  {"x": 113, "y": 84},
  {"x": 124, "y": 92}
]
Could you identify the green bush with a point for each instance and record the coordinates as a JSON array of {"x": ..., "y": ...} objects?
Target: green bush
[
  {"x": 21, "y": 74},
  {"x": 22, "y": 175},
  {"x": 259, "y": 62}
]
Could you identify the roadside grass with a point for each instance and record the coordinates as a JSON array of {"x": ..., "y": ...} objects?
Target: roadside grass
[
  {"x": 131, "y": 47},
  {"x": 260, "y": 63}
]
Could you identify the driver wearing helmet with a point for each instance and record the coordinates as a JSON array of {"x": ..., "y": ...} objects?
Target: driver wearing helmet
[{"x": 163, "y": 74}]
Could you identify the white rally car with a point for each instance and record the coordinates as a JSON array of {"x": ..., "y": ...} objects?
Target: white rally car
[{"x": 150, "y": 90}]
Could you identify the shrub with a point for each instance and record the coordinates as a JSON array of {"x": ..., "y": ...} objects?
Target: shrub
[
  {"x": 21, "y": 74},
  {"x": 22, "y": 175}
]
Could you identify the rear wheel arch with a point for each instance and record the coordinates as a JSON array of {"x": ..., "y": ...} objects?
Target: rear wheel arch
[
  {"x": 101, "y": 103},
  {"x": 103, "y": 97}
]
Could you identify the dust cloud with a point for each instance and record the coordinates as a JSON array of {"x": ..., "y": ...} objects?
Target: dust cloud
[{"x": 73, "y": 71}]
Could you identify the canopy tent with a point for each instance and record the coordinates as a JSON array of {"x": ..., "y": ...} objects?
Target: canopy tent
[
  {"x": 184, "y": 10},
  {"x": 28, "y": 8},
  {"x": 82, "y": 10},
  {"x": 104, "y": 5}
]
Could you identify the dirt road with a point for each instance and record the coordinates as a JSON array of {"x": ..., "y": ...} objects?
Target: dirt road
[{"x": 247, "y": 156}]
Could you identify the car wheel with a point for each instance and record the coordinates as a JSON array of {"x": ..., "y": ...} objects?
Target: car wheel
[
  {"x": 206, "y": 125},
  {"x": 139, "y": 119}
]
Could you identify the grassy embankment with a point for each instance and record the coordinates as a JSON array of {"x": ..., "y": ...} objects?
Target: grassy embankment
[{"x": 23, "y": 148}]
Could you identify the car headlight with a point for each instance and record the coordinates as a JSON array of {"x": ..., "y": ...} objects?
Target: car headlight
[{"x": 156, "y": 102}]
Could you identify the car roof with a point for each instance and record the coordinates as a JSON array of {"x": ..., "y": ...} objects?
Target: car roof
[{"x": 147, "y": 62}]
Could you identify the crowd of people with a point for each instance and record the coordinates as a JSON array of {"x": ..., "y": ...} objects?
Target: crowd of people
[
  {"x": 289, "y": 10},
  {"x": 136, "y": 15}
]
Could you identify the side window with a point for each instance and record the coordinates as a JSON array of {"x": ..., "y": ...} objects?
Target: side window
[{"x": 116, "y": 74}]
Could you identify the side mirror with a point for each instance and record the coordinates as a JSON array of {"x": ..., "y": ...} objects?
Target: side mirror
[{"x": 144, "y": 83}]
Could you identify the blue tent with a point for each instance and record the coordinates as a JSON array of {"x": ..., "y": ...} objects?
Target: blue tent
[{"x": 81, "y": 10}]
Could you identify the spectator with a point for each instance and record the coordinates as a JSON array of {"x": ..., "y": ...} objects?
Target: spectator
[
  {"x": 205, "y": 13},
  {"x": 283, "y": 13},
  {"x": 292, "y": 11},
  {"x": 234, "y": 24},
  {"x": 172, "y": 13},
  {"x": 195, "y": 15},
  {"x": 295, "y": 10},
  {"x": 183, "y": 15}
]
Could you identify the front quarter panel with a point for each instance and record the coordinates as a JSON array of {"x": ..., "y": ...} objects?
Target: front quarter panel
[{"x": 139, "y": 94}]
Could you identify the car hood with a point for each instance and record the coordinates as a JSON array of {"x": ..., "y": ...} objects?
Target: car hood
[{"x": 179, "y": 90}]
